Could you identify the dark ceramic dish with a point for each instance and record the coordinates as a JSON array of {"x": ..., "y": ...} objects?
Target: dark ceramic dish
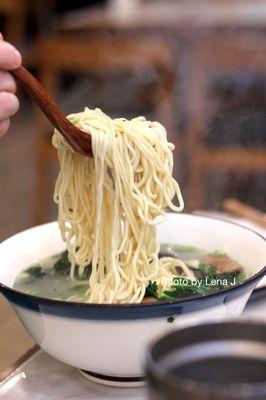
[{"x": 218, "y": 361}]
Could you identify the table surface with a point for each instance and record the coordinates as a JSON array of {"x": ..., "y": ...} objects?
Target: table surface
[{"x": 44, "y": 378}]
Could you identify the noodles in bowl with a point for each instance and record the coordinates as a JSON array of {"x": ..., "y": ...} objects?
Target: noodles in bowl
[{"x": 109, "y": 206}]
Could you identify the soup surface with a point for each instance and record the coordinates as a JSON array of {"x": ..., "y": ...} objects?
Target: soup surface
[{"x": 50, "y": 277}]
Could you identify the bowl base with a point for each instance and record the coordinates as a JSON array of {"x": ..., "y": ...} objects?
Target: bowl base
[{"x": 117, "y": 381}]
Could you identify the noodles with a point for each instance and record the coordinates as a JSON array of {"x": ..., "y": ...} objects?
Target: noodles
[{"x": 109, "y": 206}]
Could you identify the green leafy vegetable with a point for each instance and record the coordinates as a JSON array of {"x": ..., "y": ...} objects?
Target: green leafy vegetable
[
  {"x": 86, "y": 274},
  {"x": 182, "y": 287},
  {"x": 210, "y": 281},
  {"x": 232, "y": 277},
  {"x": 35, "y": 271},
  {"x": 152, "y": 290},
  {"x": 62, "y": 266},
  {"x": 207, "y": 269},
  {"x": 73, "y": 120},
  {"x": 240, "y": 277}
]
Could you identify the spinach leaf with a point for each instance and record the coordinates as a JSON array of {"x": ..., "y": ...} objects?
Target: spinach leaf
[
  {"x": 35, "y": 271},
  {"x": 152, "y": 290},
  {"x": 184, "y": 287},
  {"x": 73, "y": 120},
  {"x": 86, "y": 274},
  {"x": 62, "y": 266},
  {"x": 207, "y": 269}
]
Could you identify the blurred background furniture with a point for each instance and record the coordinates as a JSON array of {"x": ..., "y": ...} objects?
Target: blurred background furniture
[
  {"x": 188, "y": 27},
  {"x": 13, "y": 17},
  {"x": 176, "y": 50},
  {"x": 225, "y": 55}
]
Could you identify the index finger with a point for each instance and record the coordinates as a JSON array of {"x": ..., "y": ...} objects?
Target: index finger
[{"x": 10, "y": 58}]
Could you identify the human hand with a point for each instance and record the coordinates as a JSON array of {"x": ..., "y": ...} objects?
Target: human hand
[{"x": 10, "y": 59}]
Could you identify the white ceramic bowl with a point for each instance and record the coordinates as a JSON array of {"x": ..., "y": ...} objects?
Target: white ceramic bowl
[{"x": 109, "y": 340}]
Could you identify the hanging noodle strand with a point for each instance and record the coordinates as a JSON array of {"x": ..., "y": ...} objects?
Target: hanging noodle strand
[{"x": 109, "y": 206}]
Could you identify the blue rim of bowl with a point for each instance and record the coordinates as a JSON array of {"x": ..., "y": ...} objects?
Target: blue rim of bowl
[{"x": 138, "y": 310}]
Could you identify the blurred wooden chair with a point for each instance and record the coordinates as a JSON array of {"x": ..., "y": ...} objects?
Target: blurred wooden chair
[
  {"x": 228, "y": 53},
  {"x": 93, "y": 55},
  {"x": 14, "y": 14}
]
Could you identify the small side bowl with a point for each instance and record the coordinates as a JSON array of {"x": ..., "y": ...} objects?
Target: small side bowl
[
  {"x": 109, "y": 340},
  {"x": 218, "y": 361}
]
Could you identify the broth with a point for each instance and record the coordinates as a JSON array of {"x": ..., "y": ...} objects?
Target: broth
[{"x": 50, "y": 277}]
